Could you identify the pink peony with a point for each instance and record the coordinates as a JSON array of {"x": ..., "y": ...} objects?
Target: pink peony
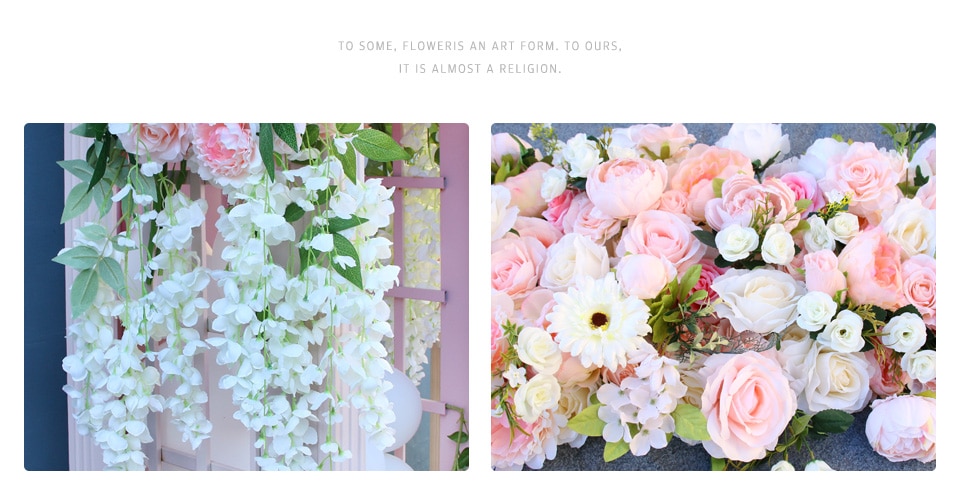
[
  {"x": 659, "y": 233},
  {"x": 650, "y": 140},
  {"x": 695, "y": 174},
  {"x": 156, "y": 142},
  {"x": 748, "y": 403},
  {"x": 535, "y": 306},
  {"x": 226, "y": 153},
  {"x": 539, "y": 228},
  {"x": 516, "y": 265},
  {"x": 585, "y": 218},
  {"x": 868, "y": 175},
  {"x": 920, "y": 286},
  {"x": 904, "y": 427},
  {"x": 822, "y": 272},
  {"x": 622, "y": 188},
  {"x": 674, "y": 201},
  {"x": 872, "y": 264},
  {"x": 525, "y": 189},
  {"x": 740, "y": 196}
]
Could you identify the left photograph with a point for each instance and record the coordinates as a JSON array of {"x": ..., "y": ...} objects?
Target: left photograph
[{"x": 249, "y": 296}]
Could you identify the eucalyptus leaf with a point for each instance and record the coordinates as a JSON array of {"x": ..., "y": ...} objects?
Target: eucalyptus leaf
[
  {"x": 378, "y": 146},
  {"x": 612, "y": 451},
  {"x": 343, "y": 247},
  {"x": 587, "y": 422},
  {"x": 690, "y": 422},
  {"x": 83, "y": 291},
  {"x": 266, "y": 149},
  {"x": 80, "y": 257}
]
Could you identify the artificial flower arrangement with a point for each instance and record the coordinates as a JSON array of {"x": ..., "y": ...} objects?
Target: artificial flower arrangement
[
  {"x": 302, "y": 292},
  {"x": 649, "y": 288}
]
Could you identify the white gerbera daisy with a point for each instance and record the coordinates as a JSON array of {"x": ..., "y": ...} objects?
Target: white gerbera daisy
[{"x": 595, "y": 322}]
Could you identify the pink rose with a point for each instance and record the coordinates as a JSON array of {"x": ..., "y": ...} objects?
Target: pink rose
[
  {"x": 920, "y": 286},
  {"x": 557, "y": 208},
  {"x": 655, "y": 142},
  {"x": 156, "y": 142},
  {"x": 525, "y": 189},
  {"x": 535, "y": 306},
  {"x": 516, "y": 265},
  {"x": 740, "y": 196},
  {"x": 902, "y": 428},
  {"x": 585, "y": 218},
  {"x": 226, "y": 153},
  {"x": 622, "y": 188},
  {"x": 822, "y": 272},
  {"x": 659, "y": 233},
  {"x": 804, "y": 185},
  {"x": 708, "y": 272},
  {"x": 539, "y": 228},
  {"x": 868, "y": 175},
  {"x": 872, "y": 264},
  {"x": 886, "y": 376},
  {"x": 644, "y": 275},
  {"x": 748, "y": 403},
  {"x": 695, "y": 174},
  {"x": 674, "y": 201},
  {"x": 928, "y": 194}
]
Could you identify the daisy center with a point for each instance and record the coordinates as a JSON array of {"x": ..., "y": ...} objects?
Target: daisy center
[{"x": 599, "y": 320}]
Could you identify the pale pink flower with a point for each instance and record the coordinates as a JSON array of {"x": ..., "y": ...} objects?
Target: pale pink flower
[
  {"x": 822, "y": 272},
  {"x": 674, "y": 201},
  {"x": 557, "y": 208},
  {"x": 872, "y": 263},
  {"x": 227, "y": 153},
  {"x": 886, "y": 376},
  {"x": 585, "y": 218},
  {"x": 659, "y": 233},
  {"x": 539, "y": 228},
  {"x": 511, "y": 450},
  {"x": 695, "y": 174},
  {"x": 516, "y": 265},
  {"x": 525, "y": 189},
  {"x": 868, "y": 176},
  {"x": 902, "y": 428},
  {"x": 504, "y": 144},
  {"x": 804, "y": 185},
  {"x": 164, "y": 142},
  {"x": 920, "y": 286},
  {"x": 651, "y": 140},
  {"x": 644, "y": 275},
  {"x": 622, "y": 188}
]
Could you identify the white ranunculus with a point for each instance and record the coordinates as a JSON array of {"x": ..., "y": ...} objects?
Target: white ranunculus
[
  {"x": 818, "y": 237},
  {"x": 582, "y": 155},
  {"x": 554, "y": 183},
  {"x": 736, "y": 242},
  {"x": 536, "y": 348},
  {"x": 502, "y": 214},
  {"x": 571, "y": 256},
  {"x": 905, "y": 333},
  {"x": 761, "y": 300},
  {"x": 815, "y": 310},
  {"x": 913, "y": 227},
  {"x": 835, "y": 380},
  {"x": 844, "y": 333},
  {"x": 757, "y": 141},
  {"x": 844, "y": 226},
  {"x": 782, "y": 466},
  {"x": 539, "y": 394},
  {"x": 777, "y": 247},
  {"x": 921, "y": 365}
]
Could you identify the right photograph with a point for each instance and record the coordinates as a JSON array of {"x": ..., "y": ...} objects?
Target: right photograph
[{"x": 713, "y": 296}]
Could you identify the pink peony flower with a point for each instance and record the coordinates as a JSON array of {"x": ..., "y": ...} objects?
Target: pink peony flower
[
  {"x": 585, "y": 218},
  {"x": 622, "y": 188},
  {"x": 649, "y": 140},
  {"x": 674, "y": 201},
  {"x": 535, "y": 306},
  {"x": 868, "y": 175},
  {"x": 740, "y": 196},
  {"x": 748, "y": 402},
  {"x": 822, "y": 272},
  {"x": 516, "y": 265},
  {"x": 539, "y": 228},
  {"x": 525, "y": 189},
  {"x": 659, "y": 233},
  {"x": 156, "y": 142},
  {"x": 920, "y": 286},
  {"x": 696, "y": 172},
  {"x": 872, "y": 264},
  {"x": 904, "y": 427},
  {"x": 226, "y": 153}
]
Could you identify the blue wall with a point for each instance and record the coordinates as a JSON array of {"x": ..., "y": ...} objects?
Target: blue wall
[{"x": 44, "y": 306}]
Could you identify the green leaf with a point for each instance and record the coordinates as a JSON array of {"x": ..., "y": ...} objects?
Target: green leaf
[
  {"x": 717, "y": 187},
  {"x": 503, "y": 172},
  {"x": 94, "y": 232},
  {"x": 928, "y": 394},
  {"x": 89, "y": 130},
  {"x": 463, "y": 459},
  {"x": 803, "y": 204},
  {"x": 909, "y": 308},
  {"x": 347, "y": 128},
  {"x": 78, "y": 200},
  {"x": 80, "y": 257},
  {"x": 690, "y": 279},
  {"x": 831, "y": 421},
  {"x": 266, "y": 149},
  {"x": 889, "y": 127},
  {"x": 287, "y": 133},
  {"x": 927, "y": 131},
  {"x": 100, "y": 167},
  {"x": 378, "y": 146},
  {"x": 77, "y": 168},
  {"x": 293, "y": 212},
  {"x": 612, "y": 451},
  {"x": 706, "y": 238},
  {"x": 718, "y": 464},
  {"x": 336, "y": 224},
  {"x": 690, "y": 422},
  {"x": 800, "y": 423},
  {"x": 112, "y": 274},
  {"x": 458, "y": 437},
  {"x": 343, "y": 247},
  {"x": 587, "y": 422},
  {"x": 83, "y": 291},
  {"x": 348, "y": 161}
]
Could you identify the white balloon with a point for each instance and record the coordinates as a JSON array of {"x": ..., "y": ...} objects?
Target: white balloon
[
  {"x": 393, "y": 464},
  {"x": 406, "y": 406}
]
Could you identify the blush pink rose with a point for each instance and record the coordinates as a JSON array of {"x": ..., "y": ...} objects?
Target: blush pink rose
[
  {"x": 748, "y": 403},
  {"x": 804, "y": 185},
  {"x": 886, "y": 376},
  {"x": 872, "y": 263},
  {"x": 659, "y": 233},
  {"x": 928, "y": 194},
  {"x": 674, "y": 201},
  {"x": 644, "y": 275},
  {"x": 622, "y": 188},
  {"x": 535, "y": 306},
  {"x": 920, "y": 286},
  {"x": 525, "y": 189},
  {"x": 740, "y": 196},
  {"x": 228, "y": 152},
  {"x": 539, "y": 228},
  {"x": 655, "y": 142},
  {"x": 868, "y": 175},
  {"x": 822, "y": 272},
  {"x": 516, "y": 265},
  {"x": 904, "y": 427},
  {"x": 162, "y": 143},
  {"x": 557, "y": 208},
  {"x": 585, "y": 218},
  {"x": 695, "y": 174}
]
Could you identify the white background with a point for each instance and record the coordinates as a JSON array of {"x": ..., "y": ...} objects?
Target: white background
[{"x": 680, "y": 61}]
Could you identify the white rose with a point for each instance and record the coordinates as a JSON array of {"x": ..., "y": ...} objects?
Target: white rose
[
  {"x": 838, "y": 381},
  {"x": 913, "y": 227},
  {"x": 626, "y": 153},
  {"x": 736, "y": 242},
  {"x": 537, "y": 395},
  {"x": 536, "y": 348},
  {"x": 818, "y": 466},
  {"x": 502, "y": 214},
  {"x": 582, "y": 155},
  {"x": 816, "y": 159},
  {"x": 757, "y": 141},
  {"x": 921, "y": 365},
  {"x": 793, "y": 358},
  {"x": 782, "y": 466},
  {"x": 761, "y": 300},
  {"x": 818, "y": 237},
  {"x": 554, "y": 183},
  {"x": 844, "y": 226},
  {"x": 777, "y": 247},
  {"x": 905, "y": 333},
  {"x": 843, "y": 334},
  {"x": 573, "y": 255},
  {"x": 815, "y": 310},
  {"x": 925, "y": 158}
]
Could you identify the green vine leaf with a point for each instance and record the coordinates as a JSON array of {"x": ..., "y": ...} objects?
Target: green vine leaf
[
  {"x": 612, "y": 451},
  {"x": 587, "y": 422},
  {"x": 112, "y": 274},
  {"x": 287, "y": 133},
  {"x": 348, "y": 161},
  {"x": 337, "y": 224},
  {"x": 77, "y": 168},
  {"x": 83, "y": 291},
  {"x": 80, "y": 257},
  {"x": 293, "y": 212},
  {"x": 347, "y": 128},
  {"x": 78, "y": 200},
  {"x": 463, "y": 459},
  {"x": 343, "y": 247},
  {"x": 690, "y": 422},
  {"x": 378, "y": 146},
  {"x": 459, "y": 437},
  {"x": 266, "y": 149}
]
